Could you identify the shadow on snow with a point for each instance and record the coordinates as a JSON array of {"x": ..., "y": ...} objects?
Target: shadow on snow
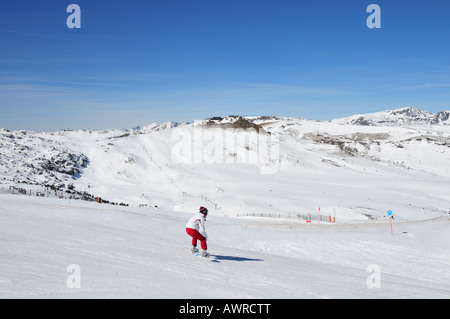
[{"x": 218, "y": 258}]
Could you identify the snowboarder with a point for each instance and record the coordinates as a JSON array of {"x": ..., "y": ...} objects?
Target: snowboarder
[{"x": 196, "y": 229}]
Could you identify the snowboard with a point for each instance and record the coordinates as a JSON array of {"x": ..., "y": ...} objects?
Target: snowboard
[
  {"x": 200, "y": 255},
  {"x": 210, "y": 258}
]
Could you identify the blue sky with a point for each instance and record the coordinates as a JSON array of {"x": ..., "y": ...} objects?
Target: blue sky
[{"x": 137, "y": 62}]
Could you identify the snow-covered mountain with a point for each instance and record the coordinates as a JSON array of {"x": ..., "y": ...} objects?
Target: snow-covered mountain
[
  {"x": 155, "y": 127},
  {"x": 403, "y": 116},
  {"x": 243, "y": 165},
  {"x": 246, "y": 170},
  {"x": 33, "y": 158}
]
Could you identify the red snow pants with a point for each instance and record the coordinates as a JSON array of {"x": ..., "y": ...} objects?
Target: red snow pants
[{"x": 197, "y": 236}]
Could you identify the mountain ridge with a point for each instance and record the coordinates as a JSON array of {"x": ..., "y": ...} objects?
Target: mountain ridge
[
  {"x": 397, "y": 117},
  {"x": 222, "y": 166}
]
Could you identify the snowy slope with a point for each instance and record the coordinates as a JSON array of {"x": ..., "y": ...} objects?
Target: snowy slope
[{"x": 125, "y": 252}]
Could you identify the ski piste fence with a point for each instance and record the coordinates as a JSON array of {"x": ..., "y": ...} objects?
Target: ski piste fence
[{"x": 300, "y": 216}]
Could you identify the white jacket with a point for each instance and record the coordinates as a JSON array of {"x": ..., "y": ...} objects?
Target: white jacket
[{"x": 197, "y": 222}]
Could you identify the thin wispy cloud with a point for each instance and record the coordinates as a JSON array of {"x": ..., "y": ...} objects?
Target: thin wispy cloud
[
  {"x": 425, "y": 86},
  {"x": 280, "y": 89}
]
